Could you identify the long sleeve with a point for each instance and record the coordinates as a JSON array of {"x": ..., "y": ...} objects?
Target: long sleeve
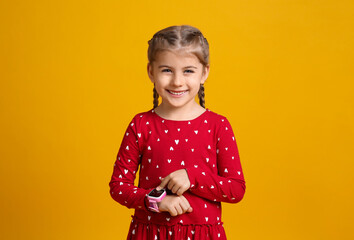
[
  {"x": 122, "y": 187},
  {"x": 228, "y": 185}
]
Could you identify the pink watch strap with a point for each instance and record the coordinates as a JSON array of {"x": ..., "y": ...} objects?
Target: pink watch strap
[
  {"x": 153, "y": 205},
  {"x": 153, "y": 202}
]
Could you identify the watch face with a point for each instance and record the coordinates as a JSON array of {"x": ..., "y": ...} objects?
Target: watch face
[{"x": 155, "y": 193}]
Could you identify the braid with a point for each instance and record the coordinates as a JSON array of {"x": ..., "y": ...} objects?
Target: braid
[
  {"x": 201, "y": 96},
  {"x": 156, "y": 98}
]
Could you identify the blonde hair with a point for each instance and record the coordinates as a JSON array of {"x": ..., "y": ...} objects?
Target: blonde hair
[{"x": 178, "y": 37}]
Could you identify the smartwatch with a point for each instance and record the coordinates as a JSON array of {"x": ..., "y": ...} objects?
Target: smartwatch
[{"x": 155, "y": 197}]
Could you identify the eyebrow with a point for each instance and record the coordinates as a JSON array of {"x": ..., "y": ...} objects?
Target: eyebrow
[{"x": 161, "y": 66}]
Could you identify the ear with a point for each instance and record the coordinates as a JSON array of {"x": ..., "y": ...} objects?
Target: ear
[
  {"x": 150, "y": 72},
  {"x": 205, "y": 74}
]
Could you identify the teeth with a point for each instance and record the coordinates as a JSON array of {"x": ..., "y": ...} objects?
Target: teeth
[{"x": 177, "y": 93}]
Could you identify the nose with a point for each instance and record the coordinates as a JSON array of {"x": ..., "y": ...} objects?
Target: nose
[{"x": 177, "y": 80}]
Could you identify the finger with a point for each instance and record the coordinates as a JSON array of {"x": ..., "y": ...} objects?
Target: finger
[
  {"x": 175, "y": 188},
  {"x": 170, "y": 184},
  {"x": 184, "y": 188},
  {"x": 181, "y": 190},
  {"x": 185, "y": 203},
  {"x": 172, "y": 211},
  {"x": 187, "y": 207},
  {"x": 163, "y": 183},
  {"x": 179, "y": 209}
]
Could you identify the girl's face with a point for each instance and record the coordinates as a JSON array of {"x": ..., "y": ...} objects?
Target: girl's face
[{"x": 177, "y": 76}]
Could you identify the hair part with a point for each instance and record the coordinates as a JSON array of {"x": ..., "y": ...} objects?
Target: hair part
[{"x": 180, "y": 37}]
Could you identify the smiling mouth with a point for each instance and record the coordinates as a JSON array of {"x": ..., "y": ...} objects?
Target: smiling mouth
[{"x": 177, "y": 92}]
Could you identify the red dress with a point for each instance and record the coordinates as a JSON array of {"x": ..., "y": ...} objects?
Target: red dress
[{"x": 205, "y": 146}]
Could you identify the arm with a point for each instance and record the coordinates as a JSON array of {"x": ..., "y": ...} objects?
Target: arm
[
  {"x": 121, "y": 185},
  {"x": 229, "y": 184}
]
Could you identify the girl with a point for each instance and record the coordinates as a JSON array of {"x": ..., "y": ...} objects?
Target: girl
[{"x": 188, "y": 157}]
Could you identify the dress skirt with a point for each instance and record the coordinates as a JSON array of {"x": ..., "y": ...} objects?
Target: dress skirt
[{"x": 150, "y": 231}]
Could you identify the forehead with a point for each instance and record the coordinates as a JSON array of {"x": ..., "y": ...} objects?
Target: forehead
[{"x": 176, "y": 57}]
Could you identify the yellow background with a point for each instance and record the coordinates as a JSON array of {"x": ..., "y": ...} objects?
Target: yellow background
[{"x": 73, "y": 74}]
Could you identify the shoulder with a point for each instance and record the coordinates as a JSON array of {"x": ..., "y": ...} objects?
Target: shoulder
[
  {"x": 220, "y": 118},
  {"x": 143, "y": 116},
  {"x": 221, "y": 122}
]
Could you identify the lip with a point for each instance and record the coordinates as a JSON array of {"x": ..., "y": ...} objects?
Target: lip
[{"x": 174, "y": 95}]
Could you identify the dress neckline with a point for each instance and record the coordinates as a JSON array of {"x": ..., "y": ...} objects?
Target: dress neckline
[{"x": 171, "y": 120}]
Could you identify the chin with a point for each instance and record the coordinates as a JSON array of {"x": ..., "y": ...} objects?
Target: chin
[{"x": 180, "y": 105}]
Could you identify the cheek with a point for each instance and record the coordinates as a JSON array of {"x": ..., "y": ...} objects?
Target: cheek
[
  {"x": 196, "y": 86},
  {"x": 160, "y": 82},
  {"x": 160, "y": 87}
]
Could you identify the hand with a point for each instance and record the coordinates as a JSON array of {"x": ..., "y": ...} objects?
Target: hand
[
  {"x": 175, "y": 205},
  {"x": 177, "y": 181}
]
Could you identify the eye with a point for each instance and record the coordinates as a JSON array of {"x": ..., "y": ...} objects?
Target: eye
[
  {"x": 165, "y": 70},
  {"x": 190, "y": 71}
]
